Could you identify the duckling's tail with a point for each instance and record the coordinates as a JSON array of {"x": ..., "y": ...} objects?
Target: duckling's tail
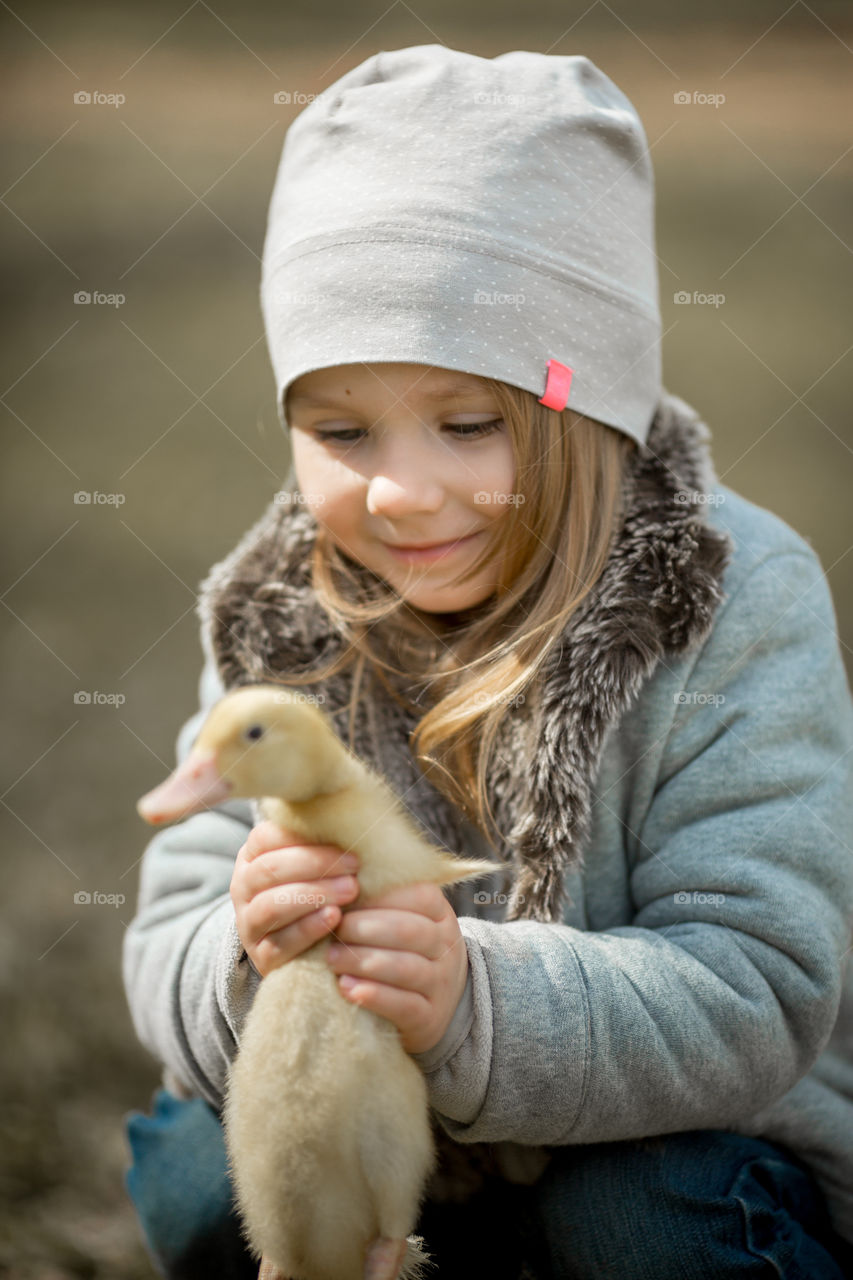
[
  {"x": 417, "y": 1264},
  {"x": 400, "y": 1259}
]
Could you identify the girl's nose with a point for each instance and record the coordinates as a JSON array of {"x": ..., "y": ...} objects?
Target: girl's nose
[{"x": 403, "y": 492}]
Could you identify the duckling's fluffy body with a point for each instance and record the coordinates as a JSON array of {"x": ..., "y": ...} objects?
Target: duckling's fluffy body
[
  {"x": 326, "y": 1116},
  {"x": 327, "y": 1126}
]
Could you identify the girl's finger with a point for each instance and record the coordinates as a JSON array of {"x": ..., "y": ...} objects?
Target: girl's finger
[
  {"x": 295, "y": 863},
  {"x": 422, "y": 898},
  {"x": 263, "y": 837},
  {"x": 404, "y": 1008},
  {"x": 404, "y": 970},
  {"x": 394, "y": 929},
  {"x": 268, "y": 836},
  {"x": 277, "y": 948},
  {"x": 286, "y": 904}
]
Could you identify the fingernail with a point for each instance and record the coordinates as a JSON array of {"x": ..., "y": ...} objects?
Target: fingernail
[{"x": 342, "y": 884}]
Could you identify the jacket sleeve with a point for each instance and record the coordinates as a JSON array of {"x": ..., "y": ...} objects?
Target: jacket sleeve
[
  {"x": 188, "y": 981},
  {"x": 722, "y": 991}
]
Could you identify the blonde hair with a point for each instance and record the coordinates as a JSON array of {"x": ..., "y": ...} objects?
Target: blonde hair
[{"x": 481, "y": 664}]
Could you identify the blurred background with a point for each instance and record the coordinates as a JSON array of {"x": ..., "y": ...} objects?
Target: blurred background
[{"x": 155, "y": 398}]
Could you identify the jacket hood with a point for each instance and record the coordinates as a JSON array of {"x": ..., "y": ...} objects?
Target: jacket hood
[{"x": 657, "y": 596}]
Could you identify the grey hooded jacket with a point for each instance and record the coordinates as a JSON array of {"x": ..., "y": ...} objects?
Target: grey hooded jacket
[{"x": 671, "y": 950}]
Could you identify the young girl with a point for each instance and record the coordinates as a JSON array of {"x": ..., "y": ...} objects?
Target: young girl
[{"x": 504, "y": 565}]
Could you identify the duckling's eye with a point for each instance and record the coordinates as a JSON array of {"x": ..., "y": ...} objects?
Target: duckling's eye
[{"x": 256, "y": 731}]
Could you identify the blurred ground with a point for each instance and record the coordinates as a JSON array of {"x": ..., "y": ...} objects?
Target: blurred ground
[{"x": 167, "y": 400}]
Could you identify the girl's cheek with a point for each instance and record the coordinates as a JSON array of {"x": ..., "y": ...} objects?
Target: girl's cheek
[
  {"x": 338, "y": 513},
  {"x": 500, "y": 469}
]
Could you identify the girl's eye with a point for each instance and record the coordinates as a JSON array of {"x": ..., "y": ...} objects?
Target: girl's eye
[
  {"x": 339, "y": 437},
  {"x": 475, "y": 428},
  {"x": 464, "y": 430}
]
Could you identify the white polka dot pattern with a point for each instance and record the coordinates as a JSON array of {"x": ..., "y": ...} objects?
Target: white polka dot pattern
[{"x": 475, "y": 214}]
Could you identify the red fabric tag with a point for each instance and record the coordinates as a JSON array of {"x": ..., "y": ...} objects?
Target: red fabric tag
[{"x": 557, "y": 385}]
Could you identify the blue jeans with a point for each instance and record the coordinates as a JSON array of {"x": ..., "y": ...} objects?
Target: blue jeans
[{"x": 684, "y": 1206}]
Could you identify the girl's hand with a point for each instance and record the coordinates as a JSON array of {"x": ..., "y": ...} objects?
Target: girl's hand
[
  {"x": 404, "y": 957},
  {"x": 282, "y": 888}
]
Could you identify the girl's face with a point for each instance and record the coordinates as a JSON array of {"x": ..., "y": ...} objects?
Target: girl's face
[{"x": 392, "y": 457}]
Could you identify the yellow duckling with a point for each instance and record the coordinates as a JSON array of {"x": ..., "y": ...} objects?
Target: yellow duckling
[{"x": 326, "y": 1116}]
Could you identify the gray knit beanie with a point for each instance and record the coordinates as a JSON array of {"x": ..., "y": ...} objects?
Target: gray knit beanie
[{"x": 488, "y": 215}]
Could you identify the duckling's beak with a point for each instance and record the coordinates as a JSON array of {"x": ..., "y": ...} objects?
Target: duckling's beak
[{"x": 195, "y": 785}]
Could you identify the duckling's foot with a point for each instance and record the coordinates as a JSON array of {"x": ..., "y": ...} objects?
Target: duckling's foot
[
  {"x": 383, "y": 1259},
  {"x": 269, "y": 1272}
]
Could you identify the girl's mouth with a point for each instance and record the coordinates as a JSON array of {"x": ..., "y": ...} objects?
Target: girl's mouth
[{"x": 425, "y": 555}]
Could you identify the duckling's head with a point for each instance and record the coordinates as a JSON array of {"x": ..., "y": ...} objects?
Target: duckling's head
[{"x": 262, "y": 740}]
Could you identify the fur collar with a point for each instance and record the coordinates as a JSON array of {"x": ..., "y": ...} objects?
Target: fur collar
[{"x": 657, "y": 596}]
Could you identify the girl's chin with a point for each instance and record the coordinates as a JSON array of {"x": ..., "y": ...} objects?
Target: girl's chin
[
  {"x": 449, "y": 602},
  {"x": 428, "y": 596}
]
